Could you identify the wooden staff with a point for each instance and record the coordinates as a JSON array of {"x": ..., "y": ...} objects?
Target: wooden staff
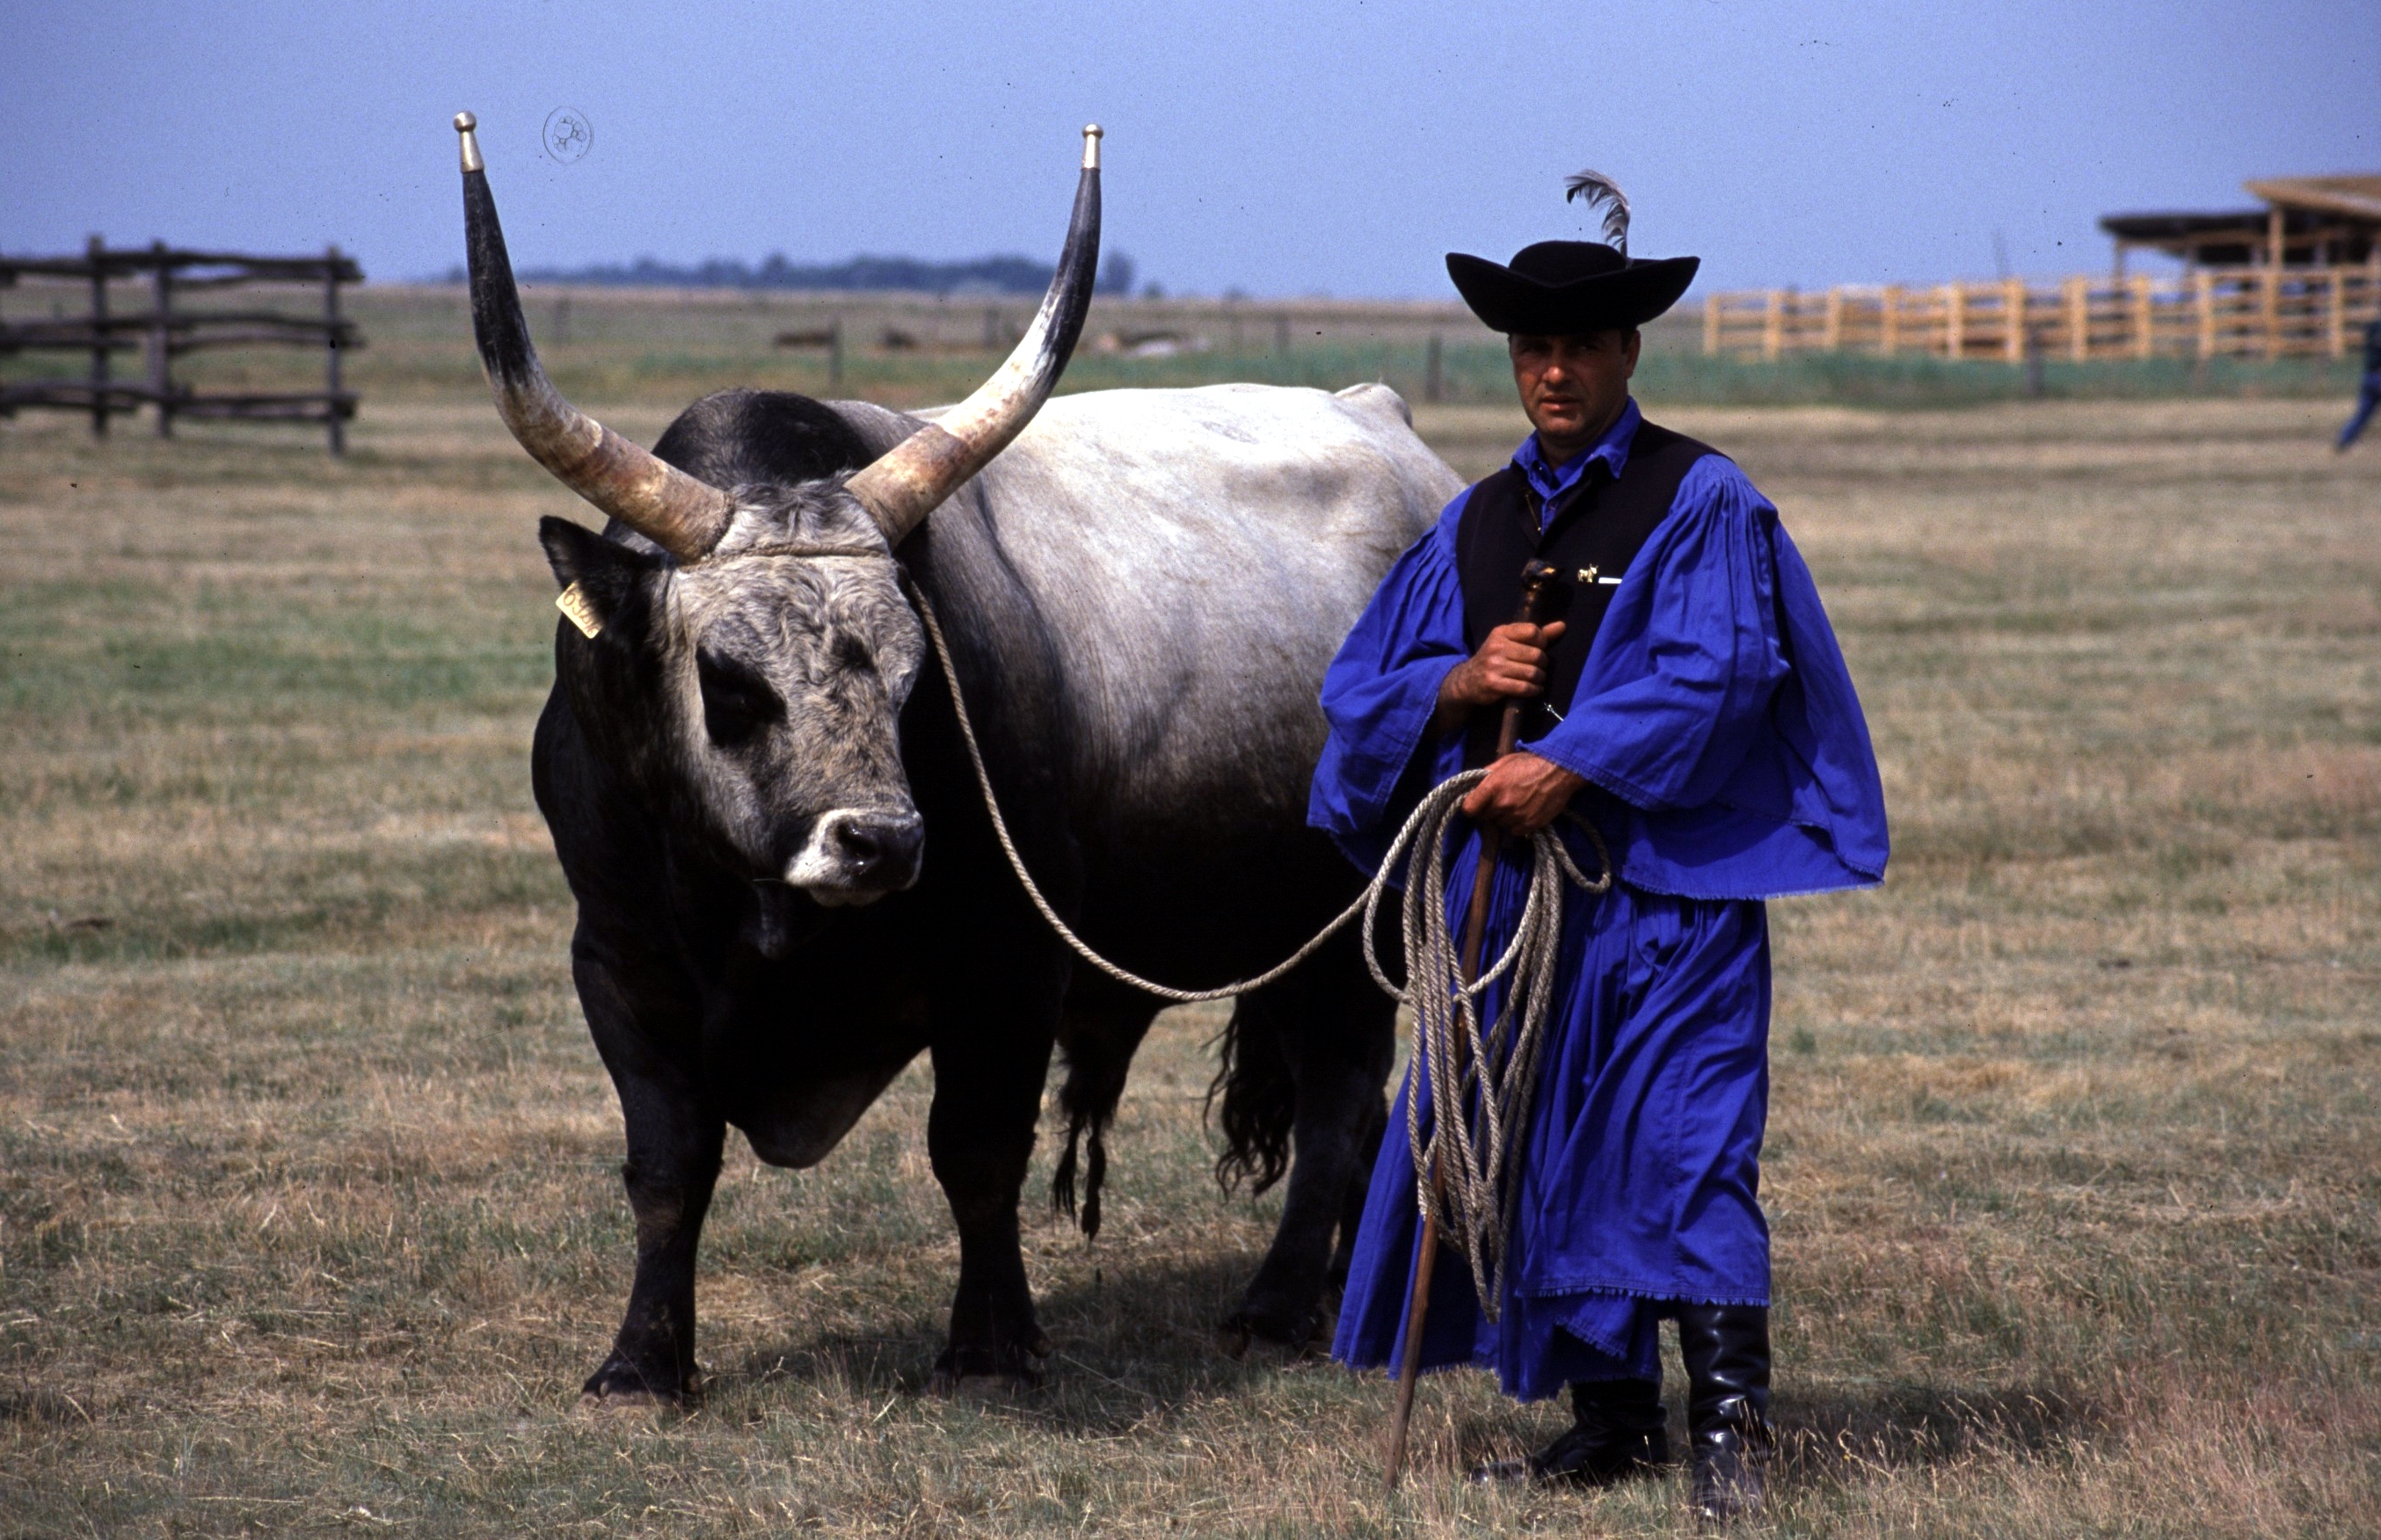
[{"x": 1540, "y": 596}]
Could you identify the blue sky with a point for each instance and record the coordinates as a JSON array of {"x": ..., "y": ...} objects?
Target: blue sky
[{"x": 1332, "y": 148}]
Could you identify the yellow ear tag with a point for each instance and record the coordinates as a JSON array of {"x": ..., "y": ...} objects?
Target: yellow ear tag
[{"x": 573, "y": 602}]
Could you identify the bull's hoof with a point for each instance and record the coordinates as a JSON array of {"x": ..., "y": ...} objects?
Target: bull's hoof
[
  {"x": 621, "y": 1384},
  {"x": 1293, "y": 1334},
  {"x": 1009, "y": 1369}
]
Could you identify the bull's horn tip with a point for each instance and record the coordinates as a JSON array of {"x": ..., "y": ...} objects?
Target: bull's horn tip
[
  {"x": 464, "y": 124},
  {"x": 1092, "y": 132}
]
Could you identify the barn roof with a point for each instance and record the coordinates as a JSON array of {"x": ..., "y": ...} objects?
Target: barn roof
[
  {"x": 2356, "y": 195},
  {"x": 2248, "y": 222}
]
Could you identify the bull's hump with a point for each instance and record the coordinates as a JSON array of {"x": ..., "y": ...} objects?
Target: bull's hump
[
  {"x": 1196, "y": 557},
  {"x": 1241, "y": 429}
]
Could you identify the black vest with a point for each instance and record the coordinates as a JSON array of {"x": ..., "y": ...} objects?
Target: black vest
[{"x": 1595, "y": 533}]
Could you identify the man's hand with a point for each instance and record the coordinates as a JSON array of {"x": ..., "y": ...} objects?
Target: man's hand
[
  {"x": 1510, "y": 663},
  {"x": 1522, "y": 794}
]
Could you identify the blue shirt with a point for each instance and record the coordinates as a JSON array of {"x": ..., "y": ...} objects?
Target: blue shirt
[
  {"x": 1715, "y": 707},
  {"x": 1552, "y": 482}
]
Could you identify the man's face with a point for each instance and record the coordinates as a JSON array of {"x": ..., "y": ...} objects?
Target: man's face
[{"x": 1573, "y": 387}]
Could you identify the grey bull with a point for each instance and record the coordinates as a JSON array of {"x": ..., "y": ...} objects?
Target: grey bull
[{"x": 788, "y": 885}]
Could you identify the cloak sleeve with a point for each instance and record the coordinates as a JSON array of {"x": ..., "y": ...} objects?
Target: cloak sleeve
[
  {"x": 1380, "y": 691},
  {"x": 1688, "y": 655},
  {"x": 1715, "y": 703}
]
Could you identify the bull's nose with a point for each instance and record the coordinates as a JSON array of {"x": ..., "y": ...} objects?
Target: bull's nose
[
  {"x": 867, "y": 843},
  {"x": 855, "y": 854}
]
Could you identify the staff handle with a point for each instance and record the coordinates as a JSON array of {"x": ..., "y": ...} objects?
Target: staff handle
[{"x": 1540, "y": 594}]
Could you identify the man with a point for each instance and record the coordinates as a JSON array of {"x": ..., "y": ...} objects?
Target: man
[
  {"x": 2369, "y": 396},
  {"x": 1691, "y": 704}
]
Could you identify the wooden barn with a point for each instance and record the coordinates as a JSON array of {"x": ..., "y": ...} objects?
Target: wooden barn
[{"x": 2307, "y": 222}]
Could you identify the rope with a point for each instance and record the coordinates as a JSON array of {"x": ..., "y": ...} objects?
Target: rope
[
  {"x": 1487, "y": 1072},
  {"x": 1492, "y": 1066},
  {"x": 1365, "y": 902}
]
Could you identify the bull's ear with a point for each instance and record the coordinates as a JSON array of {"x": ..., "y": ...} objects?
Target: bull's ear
[{"x": 597, "y": 575}]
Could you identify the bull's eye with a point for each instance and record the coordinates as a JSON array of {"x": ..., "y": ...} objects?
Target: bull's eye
[{"x": 736, "y": 703}]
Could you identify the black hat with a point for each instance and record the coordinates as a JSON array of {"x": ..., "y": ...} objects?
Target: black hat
[{"x": 1560, "y": 288}]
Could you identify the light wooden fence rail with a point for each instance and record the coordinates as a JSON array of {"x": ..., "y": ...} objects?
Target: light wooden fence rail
[{"x": 2310, "y": 313}]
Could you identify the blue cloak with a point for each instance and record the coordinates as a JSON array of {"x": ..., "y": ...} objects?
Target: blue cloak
[{"x": 1727, "y": 762}]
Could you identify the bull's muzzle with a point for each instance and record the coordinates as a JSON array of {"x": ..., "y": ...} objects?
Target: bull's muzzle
[{"x": 858, "y": 855}]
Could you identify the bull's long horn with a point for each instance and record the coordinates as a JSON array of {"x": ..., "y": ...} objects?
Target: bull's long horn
[
  {"x": 683, "y": 515},
  {"x": 905, "y": 483}
]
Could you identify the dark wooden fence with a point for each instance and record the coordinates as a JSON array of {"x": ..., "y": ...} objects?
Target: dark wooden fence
[{"x": 163, "y": 332}]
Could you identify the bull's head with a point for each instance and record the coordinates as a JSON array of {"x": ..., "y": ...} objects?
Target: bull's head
[{"x": 765, "y": 623}]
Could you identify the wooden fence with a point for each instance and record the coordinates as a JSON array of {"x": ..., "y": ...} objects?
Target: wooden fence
[
  {"x": 2255, "y": 313},
  {"x": 169, "y": 328}
]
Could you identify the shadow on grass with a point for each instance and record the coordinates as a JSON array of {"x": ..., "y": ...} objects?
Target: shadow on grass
[
  {"x": 894, "y": 1363},
  {"x": 1900, "y": 1425},
  {"x": 37, "y": 1404},
  {"x": 1146, "y": 1339},
  {"x": 1830, "y": 1441}
]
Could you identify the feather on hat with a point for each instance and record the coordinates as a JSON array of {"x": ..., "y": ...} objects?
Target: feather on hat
[{"x": 1566, "y": 287}]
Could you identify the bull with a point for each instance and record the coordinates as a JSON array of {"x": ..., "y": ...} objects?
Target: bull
[{"x": 745, "y": 751}]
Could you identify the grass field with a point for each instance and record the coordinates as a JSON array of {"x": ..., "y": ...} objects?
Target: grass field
[{"x": 309, "y": 1218}]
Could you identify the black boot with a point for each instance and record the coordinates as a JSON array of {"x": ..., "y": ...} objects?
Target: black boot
[
  {"x": 1727, "y": 1352},
  {"x": 1617, "y": 1431}
]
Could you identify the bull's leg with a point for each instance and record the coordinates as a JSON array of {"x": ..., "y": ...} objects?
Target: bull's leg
[
  {"x": 988, "y": 1076},
  {"x": 674, "y": 1144},
  {"x": 1335, "y": 1034}
]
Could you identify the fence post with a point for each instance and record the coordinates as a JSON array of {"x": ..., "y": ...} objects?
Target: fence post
[
  {"x": 2014, "y": 317},
  {"x": 2203, "y": 299},
  {"x": 2271, "y": 299},
  {"x": 2079, "y": 318},
  {"x": 1773, "y": 326},
  {"x": 1955, "y": 323},
  {"x": 2335, "y": 310},
  {"x": 1889, "y": 325},
  {"x": 339, "y": 425},
  {"x": 100, "y": 337},
  {"x": 160, "y": 380},
  {"x": 1832, "y": 336},
  {"x": 1433, "y": 385},
  {"x": 1711, "y": 325},
  {"x": 2270, "y": 309},
  {"x": 2145, "y": 317}
]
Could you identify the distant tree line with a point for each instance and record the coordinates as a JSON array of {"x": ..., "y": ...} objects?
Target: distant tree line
[{"x": 910, "y": 274}]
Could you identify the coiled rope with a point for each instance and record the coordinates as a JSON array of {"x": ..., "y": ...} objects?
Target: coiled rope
[
  {"x": 1491, "y": 1066},
  {"x": 1486, "y": 1072}
]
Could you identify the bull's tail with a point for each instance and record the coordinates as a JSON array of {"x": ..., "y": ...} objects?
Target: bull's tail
[
  {"x": 1096, "y": 1062},
  {"x": 1258, "y": 1096}
]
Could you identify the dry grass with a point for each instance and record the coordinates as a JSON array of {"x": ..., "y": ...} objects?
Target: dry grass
[{"x": 308, "y": 1210}]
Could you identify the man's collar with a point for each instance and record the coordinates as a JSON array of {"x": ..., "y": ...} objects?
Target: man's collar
[{"x": 1552, "y": 482}]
